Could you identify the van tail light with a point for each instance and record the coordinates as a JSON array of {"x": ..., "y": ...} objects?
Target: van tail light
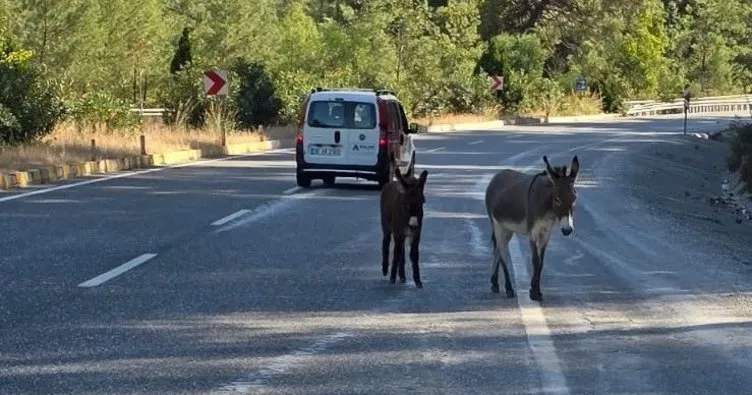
[
  {"x": 383, "y": 123},
  {"x": 301, "y": 119}
]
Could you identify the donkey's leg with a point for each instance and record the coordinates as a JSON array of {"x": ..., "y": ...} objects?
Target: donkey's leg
[
  {"x": 385, "y": 252},
  {"x": 501, "y": 239},
  {"x": 398, "y": 256},
  {"x": 401, "y": 271},
  {"x": 538, "y": 253},
  {"x": 506, "y": 260},
  {"x": 414, "y": 257}
]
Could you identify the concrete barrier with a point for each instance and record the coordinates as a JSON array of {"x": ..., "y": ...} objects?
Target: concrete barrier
[{"x": 50, "y": 173}]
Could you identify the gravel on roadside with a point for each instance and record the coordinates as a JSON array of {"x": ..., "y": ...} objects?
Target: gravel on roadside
[{"x": 676, "y": 179}]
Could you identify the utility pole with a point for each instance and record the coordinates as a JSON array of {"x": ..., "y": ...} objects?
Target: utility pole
[{"x": 687, "y": 96}]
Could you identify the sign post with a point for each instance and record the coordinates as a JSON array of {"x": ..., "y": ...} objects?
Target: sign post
[
  {"x": 215, "y": 84},
  {"x": 496, "y": 82},
  {"x": 687, "y": 95}
]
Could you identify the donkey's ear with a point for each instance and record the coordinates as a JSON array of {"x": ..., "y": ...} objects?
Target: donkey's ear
[
  {"x": 550, "y": 170},
  {"x": 422, "y": 179},
  {"x": 400, "y": 177},
  {"x": 575, "y": 168}
]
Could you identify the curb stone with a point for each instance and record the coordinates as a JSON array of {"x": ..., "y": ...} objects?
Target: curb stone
[{"x": 49, "y": 173}]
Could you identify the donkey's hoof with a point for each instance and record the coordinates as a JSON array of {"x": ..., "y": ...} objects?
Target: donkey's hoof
[
  {"x": 495, "y": 288},
  {"x": 403, "y": 280},
  {"x": 510, "y": 293},
  {"x": 536, "y": 296},
  {"x": 418, "y": 284},
  {"x": 392, "y": 280},
  {"x": 385, "y": 271}
]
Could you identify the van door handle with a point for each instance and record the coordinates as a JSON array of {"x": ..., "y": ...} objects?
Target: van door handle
[{"x": 336, "y": 136}]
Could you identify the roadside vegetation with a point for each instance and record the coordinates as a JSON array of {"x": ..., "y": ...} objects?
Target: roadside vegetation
[
  {"x": 72, "y": 70},
  {"x": 739, "y": 157}
]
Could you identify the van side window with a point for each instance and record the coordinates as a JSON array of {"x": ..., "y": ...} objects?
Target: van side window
[
  {"x": 403, "y": 117},
  {"x": 394, "y": 117}
]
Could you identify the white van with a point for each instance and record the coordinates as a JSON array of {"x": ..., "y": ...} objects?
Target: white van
[{"x": 352, "y": 133}]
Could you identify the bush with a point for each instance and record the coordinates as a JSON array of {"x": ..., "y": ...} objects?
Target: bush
[
  {"x": 739, "y": 157},
  {"x": 520, "y": 60},
  {"x": 740, "y": 152},
  {"x": 97, "y": 109},
  {"x": 256, "y": 97},
  {"x": 28, "y": 110}
]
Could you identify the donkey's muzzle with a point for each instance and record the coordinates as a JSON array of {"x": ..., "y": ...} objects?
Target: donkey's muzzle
[{"x": 567, "y": 231}]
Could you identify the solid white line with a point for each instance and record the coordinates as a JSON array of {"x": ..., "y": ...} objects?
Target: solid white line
[
  {"x": 536, "y": 328},
  {"x": 434, "y": 149},
  {"x": 475, "y": 142},
  {"x": 98, "y": 280},
  {"x": 230, "y": 217},
  {"x": 291, "y": 190},
  {"x": 133, "y": 173}
]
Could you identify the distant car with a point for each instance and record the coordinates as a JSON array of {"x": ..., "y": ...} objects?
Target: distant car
[{"x": 352, "y": 133}]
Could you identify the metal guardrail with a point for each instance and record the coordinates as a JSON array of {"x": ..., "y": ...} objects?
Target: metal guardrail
[
  {"x": 149, "y": 112},
  {"x": 698, "y": 105},
  {"x": 634, "y": 108}
]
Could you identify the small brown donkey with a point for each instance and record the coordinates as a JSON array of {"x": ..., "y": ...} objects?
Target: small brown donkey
[
  {"x": 529, "y": 205},
  {"x": 401, "y": 218}
]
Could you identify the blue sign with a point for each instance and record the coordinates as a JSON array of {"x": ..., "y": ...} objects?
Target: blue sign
[{"x": 581, "y": 84}]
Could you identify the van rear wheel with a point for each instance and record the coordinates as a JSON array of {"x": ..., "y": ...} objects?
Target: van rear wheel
[
  {"x": 329, "y": 180},
  {"x": 303, "y": 180}
]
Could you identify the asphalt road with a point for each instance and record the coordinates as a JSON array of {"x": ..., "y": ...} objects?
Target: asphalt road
[{"x": 288, "y": 296}]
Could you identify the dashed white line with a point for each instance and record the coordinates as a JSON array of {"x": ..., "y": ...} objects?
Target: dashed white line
[
  {"x": 230, "y": 217},
  {"x": 475, "y": 142},
  {"x": 435, "y": 149},
  {"x": 536, "y": 328},
  {"x": 291, "y": 190},
  {"x": 107, "y": 276},
  {"x": 280, "y": 365}
]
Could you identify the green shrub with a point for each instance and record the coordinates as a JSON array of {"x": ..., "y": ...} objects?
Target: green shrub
[
  {"x": 28, "y": 109},
  {"x": 739, "y": 157},
  {"x": 256, "y": 96}
]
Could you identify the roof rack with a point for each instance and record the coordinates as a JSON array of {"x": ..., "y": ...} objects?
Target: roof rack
[
  {"x": 323, "y": 89},
  {"x": 385, "y": 92}
]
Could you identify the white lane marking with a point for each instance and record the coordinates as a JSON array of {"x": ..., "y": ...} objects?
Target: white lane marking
[
  {"x": 284, "y": 364},
  {"x": 475, "y": 142},
  {"x": 512, "y": 159},
  {"x": 107, "y": 276},
  {"x": 271, "y": 208},
  {"x": 280, "y": 365},
  {"x": 291, "y": 190},
  {"x": 570, "y": 261},
  {"x": 435, "y": 149},
  {"x": 133, "y": 173},
  {"x": 230, "y": 217},
  {"x": 536, "y": 328},
  {"x": 480, "y": 249}
]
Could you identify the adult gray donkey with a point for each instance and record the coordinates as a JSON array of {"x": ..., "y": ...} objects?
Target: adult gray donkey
[{"x": 529, "y": 205}]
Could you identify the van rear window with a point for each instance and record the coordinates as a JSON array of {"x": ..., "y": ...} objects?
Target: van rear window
[{"x": 342, "y": 114}]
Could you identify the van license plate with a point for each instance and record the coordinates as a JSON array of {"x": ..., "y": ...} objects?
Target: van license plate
[{"x": 325, "y": 151}]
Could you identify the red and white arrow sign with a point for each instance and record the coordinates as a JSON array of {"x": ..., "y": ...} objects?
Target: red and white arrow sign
[
  {"x": 496, "y": 82},
  {"x": 215, "y": 82}
]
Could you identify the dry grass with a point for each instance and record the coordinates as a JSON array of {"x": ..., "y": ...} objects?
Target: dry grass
[
  {"x": 454, "y": 119},
  {"x": 67, "y": 145}
]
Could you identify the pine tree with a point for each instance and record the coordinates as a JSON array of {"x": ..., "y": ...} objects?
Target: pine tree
[{"x": 182, "y": 55}]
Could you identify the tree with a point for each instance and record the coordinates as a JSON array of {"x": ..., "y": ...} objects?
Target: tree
[{"x": 182, "y": 55}]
